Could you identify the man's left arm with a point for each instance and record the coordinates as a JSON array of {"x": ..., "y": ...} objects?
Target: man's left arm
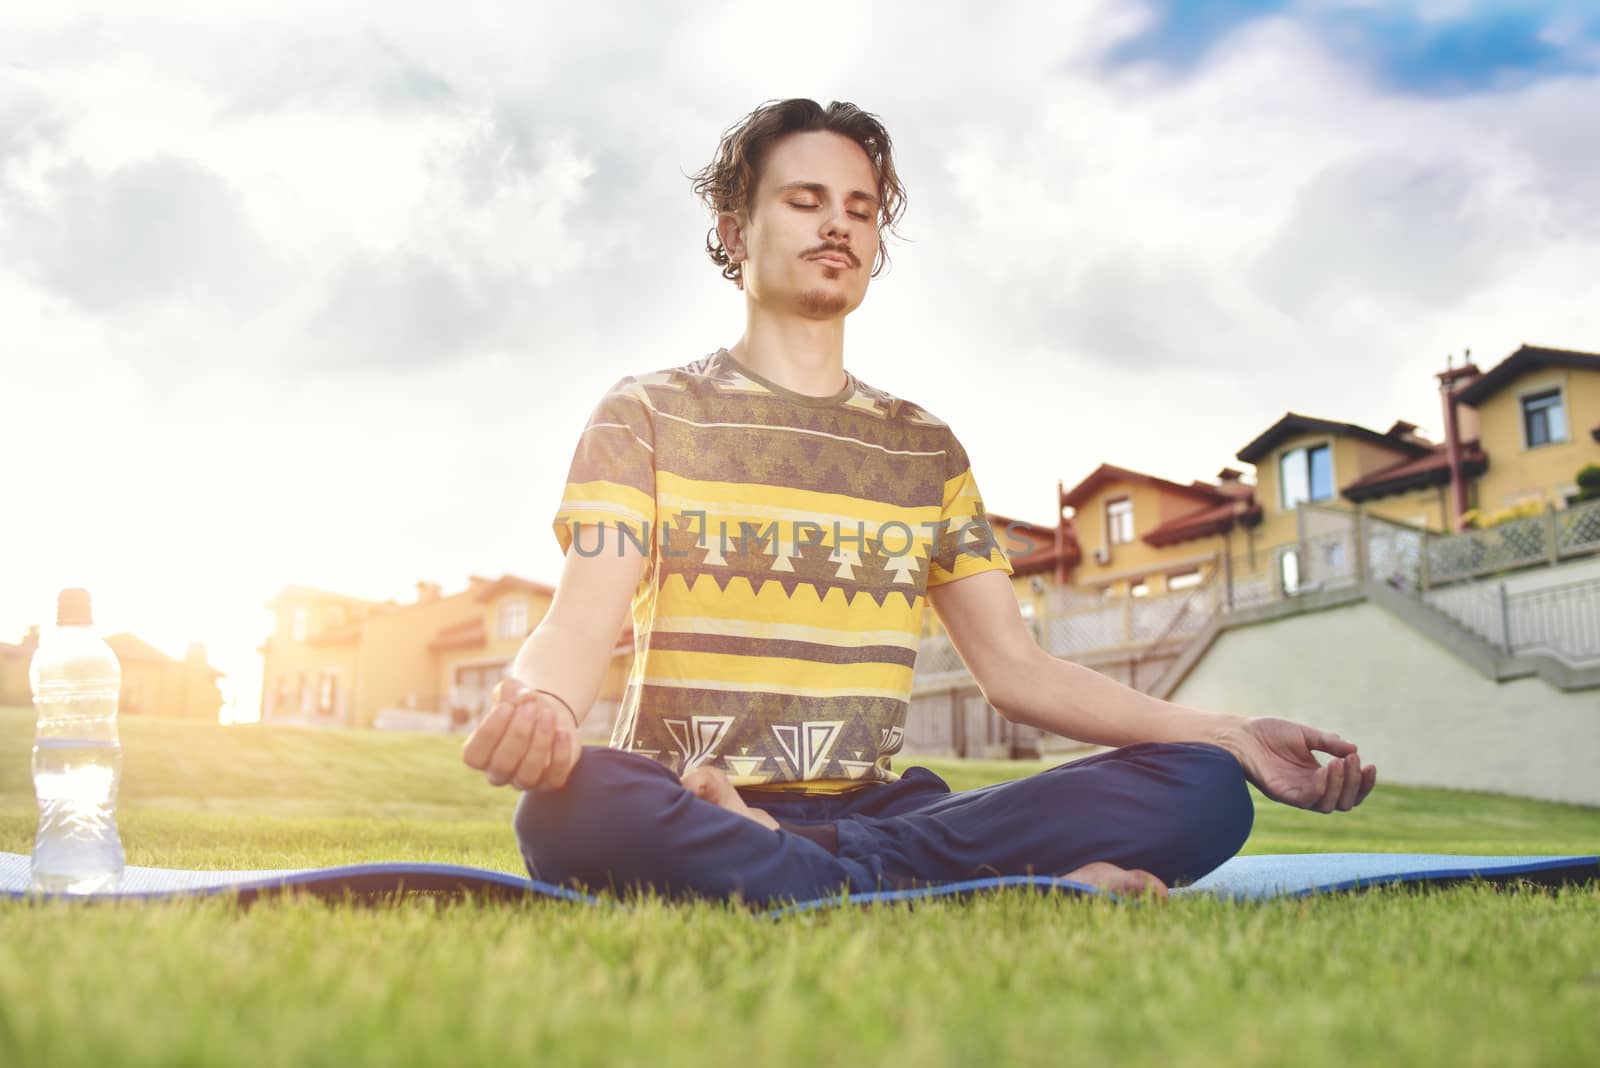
[{"x": 1027, "y": 685}]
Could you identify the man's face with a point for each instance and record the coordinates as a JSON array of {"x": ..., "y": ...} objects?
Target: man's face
[{"x": 812, "y": 235}]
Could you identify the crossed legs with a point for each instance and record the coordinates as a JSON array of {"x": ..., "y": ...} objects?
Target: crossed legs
[{"x": 1139, "y": 817}]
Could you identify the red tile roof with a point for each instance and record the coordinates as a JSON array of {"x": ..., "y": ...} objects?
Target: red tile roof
[
  {"x": 132, "y": 647},
  {"x": 484, "y": 589},
  {"x": 1108, "y": 473},
  {"x": 1214, "y": 520},
  {"x": 1399, "y": 438},
  {"x": 1430, "y": 470},
  {"x": 1220, "y": 505},
  {"x": 1040, "y": 556},
  {"x": 309, "y": 593},
  {"x": 464, "y": 635},
  {"x": 1525, "y": 359}
]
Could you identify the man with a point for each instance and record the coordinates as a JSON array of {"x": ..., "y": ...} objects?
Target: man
[{"x": 778, "y": 528}]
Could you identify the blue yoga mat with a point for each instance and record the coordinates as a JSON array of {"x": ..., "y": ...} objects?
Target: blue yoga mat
[{"x": 1242, "y": 878}]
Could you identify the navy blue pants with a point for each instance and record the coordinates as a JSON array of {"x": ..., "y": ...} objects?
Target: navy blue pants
[{"x": 625, "y": 822}]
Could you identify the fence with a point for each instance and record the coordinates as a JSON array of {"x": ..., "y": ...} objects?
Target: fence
[
  {"x": 1446, "y": 572},
  {"x": 1547, "y": 538},
  {"x": 1340, "y": 548},
  {"x": 1145, "y": 630},
  {"x": 1135, "y": 639},
  {"x": 1561, "y": 621}
]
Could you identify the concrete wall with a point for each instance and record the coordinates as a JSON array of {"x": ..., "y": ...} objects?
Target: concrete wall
[{"x": 1417, "y": 712}]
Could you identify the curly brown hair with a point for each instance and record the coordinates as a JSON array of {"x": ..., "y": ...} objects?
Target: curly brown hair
[{"x": 727, "y": 182}]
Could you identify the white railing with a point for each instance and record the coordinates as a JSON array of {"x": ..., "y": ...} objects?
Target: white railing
[
  {"x": 1337, "y": 549},
  {"x": 1560, "y": 621},
  {"x": 1479, "y": 608},
  {"x": 1563, "y": 621}
]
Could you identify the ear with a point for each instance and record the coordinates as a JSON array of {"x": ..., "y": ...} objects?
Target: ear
[{"x": 731, "y": 231}]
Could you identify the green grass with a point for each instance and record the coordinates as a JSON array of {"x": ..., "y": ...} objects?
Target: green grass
[{"x": 1466, "y": 975}]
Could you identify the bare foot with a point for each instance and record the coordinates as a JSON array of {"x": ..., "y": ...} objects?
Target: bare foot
[
  {"x": 1118, "y": 880},
  {"x": 711, "y": 784}
]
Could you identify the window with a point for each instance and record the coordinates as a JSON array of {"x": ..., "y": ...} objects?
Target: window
[
  {"x": 1289, "y": 570},
  {"x": 1544, "y": 419},
  {"x": 1119, "y": 521},
  {"x": 297, "y": 627},
  {"x": 1141, "y": 588},
  {"x": 513, "y": 618},
  {"x": 328, "y": 694},
  {"x": 1306, "y": 475},
  {"x": 1184, "y": 580}
]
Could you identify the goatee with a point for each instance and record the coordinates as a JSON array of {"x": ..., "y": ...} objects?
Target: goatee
[{"x": 822, "y": 304}]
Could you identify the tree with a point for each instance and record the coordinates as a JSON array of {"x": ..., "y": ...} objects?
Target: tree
[{"x": 1589, "y": 483}]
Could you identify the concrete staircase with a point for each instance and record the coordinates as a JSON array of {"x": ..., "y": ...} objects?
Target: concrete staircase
[{"x": 1471, "y": 648}]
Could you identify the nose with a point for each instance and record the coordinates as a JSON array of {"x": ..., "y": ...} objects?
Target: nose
[{"x": 836, "y": 227}]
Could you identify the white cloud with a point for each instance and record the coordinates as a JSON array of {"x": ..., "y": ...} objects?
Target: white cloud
[{"x": 360, "y": 273}]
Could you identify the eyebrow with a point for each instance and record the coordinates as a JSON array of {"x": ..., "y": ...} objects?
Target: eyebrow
[{"x": 820, "y": 189}]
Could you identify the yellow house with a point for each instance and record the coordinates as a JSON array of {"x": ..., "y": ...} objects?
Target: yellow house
[
  {"x": 153, "y": 683},
  {"x": 1521, "y": 432},
  {"x": 340, "y": 659},
  {"x": 1536, "y": 415},
  {"x": 1136, "y": 534},
  {"x": 1397, "y": 475}
]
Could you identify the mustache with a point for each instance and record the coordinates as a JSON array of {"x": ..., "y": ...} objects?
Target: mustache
[{"x": 837, "y": 250}]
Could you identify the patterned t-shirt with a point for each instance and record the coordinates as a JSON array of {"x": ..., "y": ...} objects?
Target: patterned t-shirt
[{"x": 792, "y": 541}]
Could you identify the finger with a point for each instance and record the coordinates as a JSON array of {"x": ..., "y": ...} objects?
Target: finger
[
  {"x": 532, "y": 768},
  {"x": 513, "y": 746},
  {"x": 507, "y": 690},
  {"x": 708, "y": 784},
  {"x": 697, "y": 782},
  {"x": 1352, "y": 782},
  {"x": 1330, "y": 795},
  {"x": 1369, "y": 779},
  {"x": 563, "y": 755},
  {"x": 1319, "y": 786},
  {"x": 481, "y": 743},
  {"x": 1329, "y": 742}
]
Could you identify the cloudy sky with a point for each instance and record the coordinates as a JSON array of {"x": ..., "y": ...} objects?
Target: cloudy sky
[{"x": 315, "y": 295}]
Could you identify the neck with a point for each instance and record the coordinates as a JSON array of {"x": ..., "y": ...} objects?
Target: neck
[{"x": 803, "y": 355}]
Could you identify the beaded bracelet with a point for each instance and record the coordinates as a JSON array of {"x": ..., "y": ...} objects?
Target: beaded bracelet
[{"x": 563, "y": 703}]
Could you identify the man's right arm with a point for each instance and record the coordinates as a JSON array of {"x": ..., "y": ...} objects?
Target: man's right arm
[{"x": 528, "y": 739}]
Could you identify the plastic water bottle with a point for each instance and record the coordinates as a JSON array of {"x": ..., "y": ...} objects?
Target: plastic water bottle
[{"x": 77, "y": 758}]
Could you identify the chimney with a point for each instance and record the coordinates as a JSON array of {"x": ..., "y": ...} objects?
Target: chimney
[
  {"x": 1231, "y": 483},
  {"x": 1459, "y": 427},
  {"x": 427, "y": 592}
]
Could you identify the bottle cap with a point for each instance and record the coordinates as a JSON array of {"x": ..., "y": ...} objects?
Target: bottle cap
[{"x": 72, "y": 608}]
